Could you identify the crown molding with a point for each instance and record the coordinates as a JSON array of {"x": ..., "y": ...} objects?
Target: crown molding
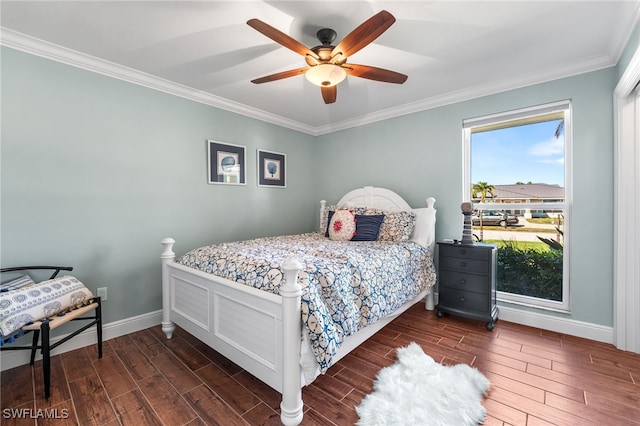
[
  {"x": 623, "y": 35},
  {"x": 577, "y": 68},
  {"x": 44, "y": 49},
  {"x": 37, "y": 47}
]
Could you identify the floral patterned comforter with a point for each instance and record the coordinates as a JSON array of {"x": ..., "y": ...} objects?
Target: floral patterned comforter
[{"x": 346, "y": 284}]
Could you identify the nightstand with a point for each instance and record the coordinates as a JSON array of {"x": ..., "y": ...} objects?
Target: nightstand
[{"x": 467, "y": 281}]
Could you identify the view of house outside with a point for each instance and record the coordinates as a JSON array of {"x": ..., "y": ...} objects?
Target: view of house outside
[{"x": 517, "y": 171}]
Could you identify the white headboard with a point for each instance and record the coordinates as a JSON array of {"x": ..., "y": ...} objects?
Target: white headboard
[
  {"x": 385, "y": 199},
  {"x": 370, "y": 196}
]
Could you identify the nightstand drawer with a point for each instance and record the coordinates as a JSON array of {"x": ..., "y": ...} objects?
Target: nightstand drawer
[
  {"x": 464, "y": 300},
  {"x": 464, "y": 281},
  {"x": 466, "y": 252},
  {"x": 464, "y": 265}
]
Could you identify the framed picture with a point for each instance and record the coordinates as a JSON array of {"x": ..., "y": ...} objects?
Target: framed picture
[
  {"x": 272, "y": 169},
  {"x": 227, "y": 163}
]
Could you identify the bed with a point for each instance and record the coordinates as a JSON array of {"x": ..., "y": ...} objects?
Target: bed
[{"x": 269, "y": 333}]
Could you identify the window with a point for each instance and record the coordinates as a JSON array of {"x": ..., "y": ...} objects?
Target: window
[{"x": 517, "y": 172}]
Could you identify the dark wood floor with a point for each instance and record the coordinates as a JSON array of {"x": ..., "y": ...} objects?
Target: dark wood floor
[{"x": 537, "y": 377}]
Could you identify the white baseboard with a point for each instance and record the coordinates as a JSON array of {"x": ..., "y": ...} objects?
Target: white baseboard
[
  {"x": 11, "y": 359},
  {"x": 572, "y": 327}
]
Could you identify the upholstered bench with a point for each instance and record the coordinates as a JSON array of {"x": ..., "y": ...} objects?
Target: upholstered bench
[{"x": 26, "y": 306}]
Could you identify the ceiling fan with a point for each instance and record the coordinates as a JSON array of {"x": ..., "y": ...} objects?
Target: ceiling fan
[{"x": 327, "y": 64}]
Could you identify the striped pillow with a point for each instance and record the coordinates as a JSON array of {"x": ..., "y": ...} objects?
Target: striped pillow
[
  {"x": 367, "y": 227},
  {"x": 23, "y": 281}
]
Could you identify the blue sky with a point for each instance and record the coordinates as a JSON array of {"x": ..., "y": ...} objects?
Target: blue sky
[{"x": 528, "y": 153}]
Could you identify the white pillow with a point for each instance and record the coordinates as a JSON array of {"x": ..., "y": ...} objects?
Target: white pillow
[
  {"x": 342, "y": 226},
  {"x": 421, "y": 231}
]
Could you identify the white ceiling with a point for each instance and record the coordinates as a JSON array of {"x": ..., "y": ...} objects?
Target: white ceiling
[{"x": 204, "y": 50}]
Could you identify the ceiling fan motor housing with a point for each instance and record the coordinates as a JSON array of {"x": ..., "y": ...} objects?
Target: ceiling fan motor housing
[{"x": 326, "y": 36}]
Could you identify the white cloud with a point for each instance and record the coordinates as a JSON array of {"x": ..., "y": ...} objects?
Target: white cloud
[
  {"x": 548, "y": 148},
  {"x": 558, "y": 161}
]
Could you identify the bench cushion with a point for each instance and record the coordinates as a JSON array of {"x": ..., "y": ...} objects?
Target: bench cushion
[{"x": 39, "y": 301}]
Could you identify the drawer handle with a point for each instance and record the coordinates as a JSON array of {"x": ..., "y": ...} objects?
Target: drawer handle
[
  {"x": 463, "y": 264},
  {"x": 463, "y": 251},
  {"x": 462, "y": 299},
  {"x": 463, "y": 281}
]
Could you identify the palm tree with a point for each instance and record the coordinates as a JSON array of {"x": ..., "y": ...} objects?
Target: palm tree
[
  {"x": 559, "y": 129},
  {"x": 482, "y": 190}
]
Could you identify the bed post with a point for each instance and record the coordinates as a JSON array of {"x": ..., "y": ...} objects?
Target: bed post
[
  {"x": 323, "y": 205},
  {"x": 429, "y": 303},
  {"x": 429, "y": 300},
  {"x": 291, "y": 405},
  {"x": 167, "y": 256}
]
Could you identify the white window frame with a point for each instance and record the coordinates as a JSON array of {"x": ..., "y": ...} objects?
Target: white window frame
[{"x": 519, "y": 114}]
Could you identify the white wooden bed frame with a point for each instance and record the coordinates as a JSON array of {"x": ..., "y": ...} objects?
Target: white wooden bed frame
[{"x": 261, "y": 331}]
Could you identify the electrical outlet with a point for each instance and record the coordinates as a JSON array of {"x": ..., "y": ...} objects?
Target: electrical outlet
[{"x": 102, "y": 293}]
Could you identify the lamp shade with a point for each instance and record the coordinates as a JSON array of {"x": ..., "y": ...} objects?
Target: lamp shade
[{"x": 325, "y": 75}]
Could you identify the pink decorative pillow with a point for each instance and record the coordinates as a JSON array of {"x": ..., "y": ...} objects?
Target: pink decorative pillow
[{"x": 342, "y": 226}]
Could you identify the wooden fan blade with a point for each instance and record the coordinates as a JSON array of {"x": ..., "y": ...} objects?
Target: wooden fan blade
[
  {"x": 280, "y": 37},
  {"x": 280, "y": 75},
  {"x": 373, "y": 73},
  {"x": 329, "y": 94},
  {"x": 368, "y": 31}
]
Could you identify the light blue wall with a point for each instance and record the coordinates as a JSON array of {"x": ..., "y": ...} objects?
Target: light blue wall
[
  {"x": 96, "y": 171},
  {"x": 421, "y": 155},
  {"x": 630, "y": 49}
]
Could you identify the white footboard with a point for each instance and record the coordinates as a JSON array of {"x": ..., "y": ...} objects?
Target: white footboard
[{"x": 258, "y": 330}]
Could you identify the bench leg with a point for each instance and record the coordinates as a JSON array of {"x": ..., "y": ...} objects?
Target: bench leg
[
  {"x": 34, "y": 346},
  {"x": 46, "y": 359}
]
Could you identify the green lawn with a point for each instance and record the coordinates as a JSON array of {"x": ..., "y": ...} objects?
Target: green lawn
[
  {"x": 514, "y": 229},
  {"x": 523, "y": 245},
  {"x": 545, "y": 220}
]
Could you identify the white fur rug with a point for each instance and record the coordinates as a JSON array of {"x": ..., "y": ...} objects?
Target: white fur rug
[{"x": 416, "y": 390}]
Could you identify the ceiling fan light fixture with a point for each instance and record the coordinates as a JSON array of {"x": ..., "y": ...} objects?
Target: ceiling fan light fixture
[{"x": 325, "y": 75}]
